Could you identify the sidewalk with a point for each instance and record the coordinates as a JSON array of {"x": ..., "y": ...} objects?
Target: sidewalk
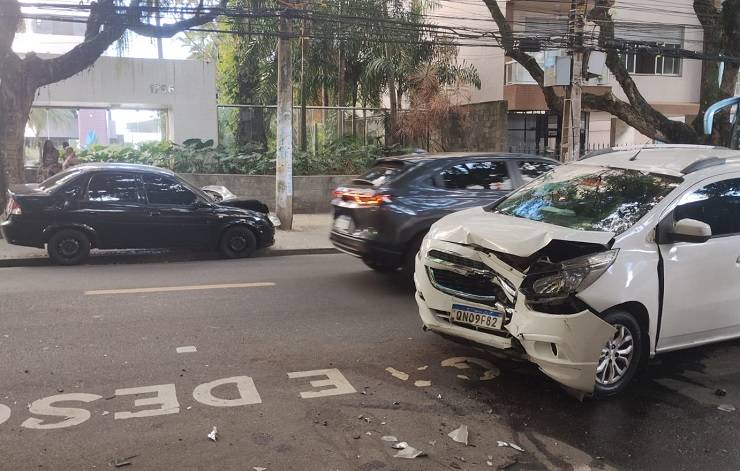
[{"x": 310, "y": 235}]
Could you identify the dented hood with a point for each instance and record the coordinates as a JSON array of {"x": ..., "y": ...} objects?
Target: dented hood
[{"x": 516, "y": 236}]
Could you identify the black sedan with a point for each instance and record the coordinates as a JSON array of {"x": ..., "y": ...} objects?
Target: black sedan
[{"x": 123, "y": 206}]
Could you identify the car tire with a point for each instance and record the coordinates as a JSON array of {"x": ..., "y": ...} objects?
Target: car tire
[
  {"x": 380, "y": 267},
  {"x": 238, "y": 242},
  {"x": 625, "y": 349},
  {"x": 68, "y": 247}
]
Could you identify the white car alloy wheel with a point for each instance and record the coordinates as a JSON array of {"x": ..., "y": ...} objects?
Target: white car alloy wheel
[{"x": 616, "y": 357}]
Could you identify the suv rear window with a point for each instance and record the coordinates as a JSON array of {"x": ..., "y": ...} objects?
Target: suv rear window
[{"x": 383, "y": 173}]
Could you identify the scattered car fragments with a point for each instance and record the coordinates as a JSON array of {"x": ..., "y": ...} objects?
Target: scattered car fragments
[
  {"x": 510, "y": 445},
  {"x": 460, "y": 435},
  {"x": 409, "y": 453},
  {"x": 213, "y": 435},
  {"x": 397, "y": 374}
]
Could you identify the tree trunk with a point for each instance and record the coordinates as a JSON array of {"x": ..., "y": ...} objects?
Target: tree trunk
[
  {"x": 304, "y": 126},
  {"x": 251, "y": 127},
  {"x": 16, "y": 98},
  {"x": 391, "y": 137}
]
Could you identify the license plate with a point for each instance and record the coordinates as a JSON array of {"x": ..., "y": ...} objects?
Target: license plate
[
  {"x": 476, "y": 316},
  {"x": 342, "y": 223}
]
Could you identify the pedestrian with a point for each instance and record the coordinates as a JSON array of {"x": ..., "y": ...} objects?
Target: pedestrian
[
  {"x": 70, "y": 157},
  {"x": 49, "y": 165}
]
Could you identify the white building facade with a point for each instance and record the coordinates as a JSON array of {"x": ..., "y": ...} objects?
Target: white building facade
[{"x": 671, "y": 85}]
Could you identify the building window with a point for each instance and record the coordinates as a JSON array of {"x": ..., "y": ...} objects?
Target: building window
[
  {"x": 644, "y": 61},
  {"x": 648, "y": 63}
]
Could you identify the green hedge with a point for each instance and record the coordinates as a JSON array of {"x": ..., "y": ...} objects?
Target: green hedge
[{"x": 196, "y": 156}]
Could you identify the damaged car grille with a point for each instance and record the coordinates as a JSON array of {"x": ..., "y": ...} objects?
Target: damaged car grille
[
  {"x": 476, "y": 285},
  {"x": 469, "y": 279},
  {"x": 458, "y": 260}
]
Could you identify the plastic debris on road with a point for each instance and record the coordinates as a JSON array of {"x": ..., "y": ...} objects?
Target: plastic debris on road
[
  {"x": 460, "y": 435},
  {"x": 422, "y": 368},
  {"x": 463, "y": 377},
  {"x": 400, "y": 445},
  {"x": 726, "y": 408},
  {"x": 259, "y": 468},
  {"x": 214, "y": 434},
  {"x": 397, "y": 374},
  {"x": 463, "y": 363},
  {"x": 121, "y": 462},
  {"x": 409, "y": 453},
  {"x": 422, "y": 384},
  {"x": 510, "y": 445},
  {"x": 389, "y": 438}
]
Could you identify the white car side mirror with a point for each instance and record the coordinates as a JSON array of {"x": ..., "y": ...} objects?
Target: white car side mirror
[{"x": 691, "y": 230}]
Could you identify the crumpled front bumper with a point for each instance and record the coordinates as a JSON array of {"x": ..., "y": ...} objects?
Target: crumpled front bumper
[{"x": 565, "y": 347}]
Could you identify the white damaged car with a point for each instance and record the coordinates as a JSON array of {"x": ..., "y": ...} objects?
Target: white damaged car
[{"x": 595, "y": 267}]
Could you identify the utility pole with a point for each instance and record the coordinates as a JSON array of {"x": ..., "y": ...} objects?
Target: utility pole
[
  {"x": 284, "y": 167},
  {"x": 158, "y": 20},
  {"x": 570, "y": 143}
]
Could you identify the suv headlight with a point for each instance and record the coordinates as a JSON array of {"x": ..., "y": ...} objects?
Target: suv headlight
[{"x": 568, "y": 277}]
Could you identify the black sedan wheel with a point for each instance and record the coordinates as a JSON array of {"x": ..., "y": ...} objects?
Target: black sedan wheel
[
  {"x": 238, "y": 242},
  {"x": 68, "y": 247}
]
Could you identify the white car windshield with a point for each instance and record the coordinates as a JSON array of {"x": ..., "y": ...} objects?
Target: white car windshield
[{"x": 589, "y": 198}]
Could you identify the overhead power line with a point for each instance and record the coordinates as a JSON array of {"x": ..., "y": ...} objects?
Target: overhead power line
[{"x": 547, "y": 34}]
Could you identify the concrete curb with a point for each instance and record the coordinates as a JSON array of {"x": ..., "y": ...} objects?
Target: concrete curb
[{"x": 158, "y": 257}]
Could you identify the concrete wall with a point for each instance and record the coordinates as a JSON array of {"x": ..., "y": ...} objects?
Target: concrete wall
[
  {"x": 311, "y": 194},
  {"x": 186, "y": 89},
  {"x": 483, "y": 128}
]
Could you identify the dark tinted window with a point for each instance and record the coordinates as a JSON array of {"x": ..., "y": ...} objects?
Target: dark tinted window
[
  {"x": 490, "y": 175},
  {"x": 162, "y": 189},
  {"x": 59, "y": 179},
  {"x": 531, "y": 169},
  {"x": 717, "y": 204},
  {"x": 383, "y": 173},
  {"x": 113, "y": 188}
]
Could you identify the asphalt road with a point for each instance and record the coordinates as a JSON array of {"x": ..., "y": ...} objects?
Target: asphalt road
[{"x": 89, "y": 334}]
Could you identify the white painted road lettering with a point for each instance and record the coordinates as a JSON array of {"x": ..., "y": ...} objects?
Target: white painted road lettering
[
  {"x": 335, "y": 378},
  {"x": 162, "y": 399},
  {"x": 248, "y": 394},
  {"x": 73, "y": 416},
  {"x": 166, "y": 398},
  {"x": 4, "y": 413}
]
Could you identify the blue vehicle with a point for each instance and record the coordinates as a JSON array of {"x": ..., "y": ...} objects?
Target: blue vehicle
[{"x": 719, "y": 106}]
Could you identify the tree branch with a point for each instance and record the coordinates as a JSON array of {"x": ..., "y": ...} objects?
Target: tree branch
[
  {"x": 554, "y": 102},
  {"x": 169, "y": 30},
  {"x": 104, "y": 27},
  {"x": 10, "y": 18},
  {"x": 653, "y": 123}
]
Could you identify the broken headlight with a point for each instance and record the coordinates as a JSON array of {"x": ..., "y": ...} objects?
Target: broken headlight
[{"x": 568, "y": 277}]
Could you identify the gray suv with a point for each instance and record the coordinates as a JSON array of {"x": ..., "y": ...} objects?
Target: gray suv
[{"x": 383, "y": 215}]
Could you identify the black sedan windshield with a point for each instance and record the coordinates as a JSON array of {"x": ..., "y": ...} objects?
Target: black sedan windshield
[{"x": 589, "y": 198}]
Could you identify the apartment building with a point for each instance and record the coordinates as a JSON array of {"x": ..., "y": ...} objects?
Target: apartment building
[{"x": 671, "y": 85}]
